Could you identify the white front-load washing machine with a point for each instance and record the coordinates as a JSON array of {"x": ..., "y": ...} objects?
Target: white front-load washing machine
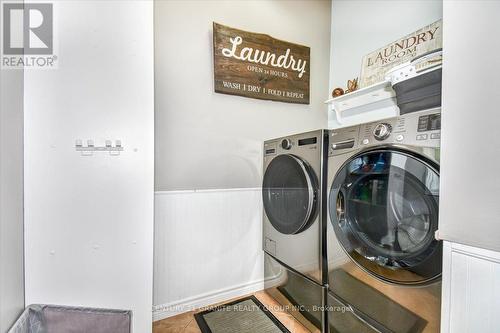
[
  {"x": 294, "y": 223},
  {"x": 384, "y": 262}
]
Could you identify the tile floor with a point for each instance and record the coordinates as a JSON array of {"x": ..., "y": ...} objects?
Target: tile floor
[
  {"x": 425, "y": 304},
  {"x": 185, "y": 323}
]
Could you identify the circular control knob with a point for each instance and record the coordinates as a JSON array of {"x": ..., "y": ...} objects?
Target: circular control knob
[
  {"x": 286, "y": 144},
  {"x": 382, "y": 131}
]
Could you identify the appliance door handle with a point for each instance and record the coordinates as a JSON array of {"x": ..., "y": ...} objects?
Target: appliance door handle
[{"x": 340, "y": 207}]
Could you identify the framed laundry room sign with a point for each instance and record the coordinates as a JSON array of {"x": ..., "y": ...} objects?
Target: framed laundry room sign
[
  {"x": 376, "y": 64},
  {"x": 259, "y": 66}
]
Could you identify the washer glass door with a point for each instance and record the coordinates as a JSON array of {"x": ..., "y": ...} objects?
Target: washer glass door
[
  {"x": 384, "y": 210},
  {"x": 289, "y": 194}
]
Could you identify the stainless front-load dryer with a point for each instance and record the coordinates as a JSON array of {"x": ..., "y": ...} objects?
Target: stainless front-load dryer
[
  {"x": 294, "y": 223},
  {"x": 293, "y": 191},
  {"x": 384, "y": 262}
]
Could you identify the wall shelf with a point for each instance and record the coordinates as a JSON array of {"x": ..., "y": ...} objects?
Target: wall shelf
[
  {"x": 407, "y": 88},
  {"x": 374, "y": 97}
]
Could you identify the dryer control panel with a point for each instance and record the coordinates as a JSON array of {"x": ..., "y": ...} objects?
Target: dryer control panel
[{"x": 295, "y": 144}]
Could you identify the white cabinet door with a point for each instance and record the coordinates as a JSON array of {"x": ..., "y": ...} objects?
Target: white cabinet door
[{"x": 471, "y": 290}]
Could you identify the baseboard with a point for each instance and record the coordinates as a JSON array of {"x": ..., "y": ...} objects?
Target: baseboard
[{"x": 167, "y": 310}]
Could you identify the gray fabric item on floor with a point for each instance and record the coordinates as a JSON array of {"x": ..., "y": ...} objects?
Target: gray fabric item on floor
[{"x": 63, "y": 319}]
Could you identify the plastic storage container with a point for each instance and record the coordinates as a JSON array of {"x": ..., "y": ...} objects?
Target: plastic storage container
[
  {"x": 420, "y": 92},
  {"x": 418, "y": 83},
  {"x": 62, "y": 319}
]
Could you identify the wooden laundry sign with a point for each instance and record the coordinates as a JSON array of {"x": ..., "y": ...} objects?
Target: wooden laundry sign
[
  {"x": 260, "y": 66},
  {"x": 376, "y": 64}
]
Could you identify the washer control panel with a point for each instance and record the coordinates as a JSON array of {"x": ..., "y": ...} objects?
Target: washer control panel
[
  {"x": 429, "y": 122},
  {"x": 382, "y": 131},
  {"x": 419, "y": 129}
]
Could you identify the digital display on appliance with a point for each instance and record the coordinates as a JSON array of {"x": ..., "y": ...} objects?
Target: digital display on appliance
[
  {"x": 270, "y": 151},
  {"x": 430, "y": 122},
  {"x": 308, "y": 141}
]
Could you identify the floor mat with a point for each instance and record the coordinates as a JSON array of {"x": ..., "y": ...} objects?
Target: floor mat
[{"x": 246, "y": 315}]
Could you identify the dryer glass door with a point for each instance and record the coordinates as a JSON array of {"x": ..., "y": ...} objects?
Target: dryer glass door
[
  {"x": 384, "y": 210},
  {"x": 289, "y": 194}
]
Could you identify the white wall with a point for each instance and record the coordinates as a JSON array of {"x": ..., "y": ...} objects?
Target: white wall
[
  {"x": 11, "y": 197},
  {"x": 362, "y": 26},
  {"x": 89, "y": 220},
  {"x": 208, "y": 140},
  {"x": 470, "y": 185},
  {"x": 207, "y": 248}
]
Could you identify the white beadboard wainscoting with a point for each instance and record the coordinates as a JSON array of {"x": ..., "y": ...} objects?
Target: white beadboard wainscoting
[
  {"x": 208, "y": 248},
  {"x": 471, "y": 289}
]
